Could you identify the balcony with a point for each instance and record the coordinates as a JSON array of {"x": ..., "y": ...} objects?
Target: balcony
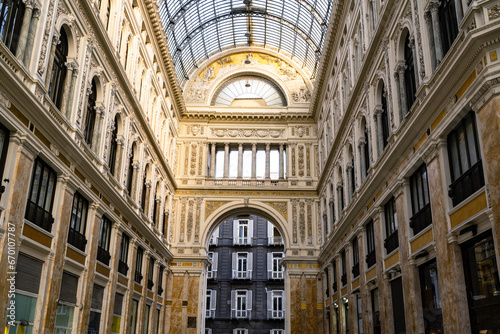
[
  {"x": 271, "y": 274},
  {"x": 355, "y": 270},
  {"x": 150, "y": 284},
  {"x": 211, "y": 274},
  {"x": 240, "y": 314},
  {"x": 371, "y": 258},
  {"x": 275, "y": 241},
  {"x": 421, "y": 219},
  {"x": 122, "y": 268},
  {"x": 391, "y": 242},
  {"x": 210, "y": 314},
  {"x": 273, "y": 314},
  {"x": 242, "y": 241},
  {"x": 242, "y": 274},
  {"x": 103, "y": 255},
  {"x": 138, "y": 277},
  {"x": 77, "y": 239},
  {"x": 467, "y": 184},
  {"x": 39, "y": 216}
]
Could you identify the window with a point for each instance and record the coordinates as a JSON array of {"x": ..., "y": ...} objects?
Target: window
[
  {"x": 409, "y": 75},
  {"x": 431, "y": 298},
  {"x": 242, "y": 265},
  {"x": 343, "y": 278},
  {"x": 160, "y": 280},
  {"x": 29, "y": 271},
  {"x": 260, "y": 163},
  {"x": 465, "y": 160},
  {"x": 273, "y": 235},
  {"x": 247, "y": 163},
  {"x": 133, "y": 317},
  {"x": 138, "y": 265},
  {"x": 366, "y": 151},
  {"x": 359, "y": 310},
  {"x": 391, "y": 227},
  {"x": 243, "y": 232},
  {"x": 370, "y": 245},
  {"x": 241, "y": 304},
  {"x": 346, "y": 317},
  {"x": 4, "y": 144},
  {"x": 385, "y": 117},
  {"x": 211, "y": 303},
  {"x": 78, "y": 222},
  {"x": 355, "y": 258},
  {"x": 41, "y": 195},
  {"x": 375, "y": 311},
  {"x": 145, "y": 189},
  {"x": 95, "y": 309},
  {"x": 145, "y": 326},
  {"x": 117, "y": 313},
  {"x": 398, "y": 306},
  {"x": 151, "y": 269},
  {"x": 482, "y": 283},
  {"x": 66, "y": 303},
  {"x": 104, "y": 239},
  {"x": 277, "y": 331},
  {"x": 274, "y": 267},
  {"x": 113, "y": 147},
  {"x": 11, "y": 17},
  {"x": 233, "y": 162},
  {"x": 326, "y": 284},
  {"x": 88, "y": 130},
  {"x": 130, "y": 171},
  {"x": 420, "y": 202},
  {"x": 122, "y": 263},
  {"x": 219, "y": 162},
  {"x": 212, "y": 266},
  {"x": 275, "y": 305},
  {"x": 448, "y": 23},
  {"x": 334, "y": 276}
]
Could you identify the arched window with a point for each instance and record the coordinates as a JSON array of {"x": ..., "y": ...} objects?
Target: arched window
[
  {"x": 332, "y": 206},
  {"x": 165, "y": 218},
  {"x": 156, "y": 206},
  {"x": 59, "y": 70},
  {"x": 340, "y": 191},
  {"x": 385, "y": 117},
  {"x": 113, "y": 145},
  {"x": 144, "y": 189},
  {"x": 448, "y": 23},
  {"x": 351, "y": 175},
  {"x": 130, "y": 170},
  {"x": 11, "y": 17},
  {"x": 88, "y": 130},
  {"x": 365, "y": 151},
  {"x": 409, "y": 75}
]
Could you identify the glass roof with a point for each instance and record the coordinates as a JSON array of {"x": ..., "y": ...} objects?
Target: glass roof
[
  {"x": 197, "y": 29},
  {"x": 247, "y": 88}
]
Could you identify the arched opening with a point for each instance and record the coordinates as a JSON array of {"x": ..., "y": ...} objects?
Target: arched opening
[{"x": 245, "y": 287}]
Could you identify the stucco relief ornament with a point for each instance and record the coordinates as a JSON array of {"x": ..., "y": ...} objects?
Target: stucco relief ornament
[
  {"x": 246, "y": 133},
  {"x": 301, "y": 96},
  {"x": 494, "y": 12},
  {"x": 208, "y": 74},
  {"x": 232, "y": 133},
  {"x": 300, "y": 130}
]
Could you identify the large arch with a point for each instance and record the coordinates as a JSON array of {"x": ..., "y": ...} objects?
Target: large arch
[{"x": 235, "y": 208}]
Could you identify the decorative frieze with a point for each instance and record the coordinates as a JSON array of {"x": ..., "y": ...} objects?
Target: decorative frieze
[
  {"x": 190, "y": 220},
  {"x": 199, "y": 202},
  {"x": 294, "y": 221},
  {"x": 186, "y": 160},
  {"x": 309, "y": 221},
  {"x": 183, "y": 219},
  {"x": 211, "y": 206},
  {"x": 192, "y": 168},
  {"x": 281, "y": 207},
  {"x": 248, "y": 133},
  {"x": 302, "y": 223}
]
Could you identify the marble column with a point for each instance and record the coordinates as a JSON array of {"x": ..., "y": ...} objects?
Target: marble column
[
  {"x": 254, "y": 160},
  {"x": 240, "y": 160},
  {"x": 268, "y": 161},
  {"x": 488, "y": 123},
  {"x": 87, "y": 281},
  {"x": 332, "y": 213},
  {"x": 400, "y": 70},
  {"x": 282, "y": 165},
  {"x": 128, "y": 299},
  {"x": 407, "y": 276},
  {"x": 17, "y": 188},
  {"x": 133, "y": 190},
  {"x": 430, "y": 36},
  {"x": 109, "y": 297},
  {"x": 31, "y": 36},
  {"x": 119, "y": 158},
  {"x": 68, "y": 91},
  {"x": 436, "y": 28},
  {"x": 226, "y": 160},
  {"x": 25, "y": 26},
  {"x": 212, "y": 160},
  {"x": 50, "y": 63},
  {"x": 96, "y": 136},
  {"x": 448, "y": 254},
  {"x": 55, "y": 265},
  {"x": 460, "y": 11}
]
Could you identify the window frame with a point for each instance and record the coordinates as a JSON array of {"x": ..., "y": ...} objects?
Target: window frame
[
  {"x": 78, "y": 222},
  {"x": 104, "y": 241},
  {"x": 391, "y": 241}
]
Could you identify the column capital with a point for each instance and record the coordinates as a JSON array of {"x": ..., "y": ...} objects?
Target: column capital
[
  {"x": 401, "y": 68},
  {"x": 399, "y": 188},
  {"x": 430, "y": 153},
  {"x": 434, "y": 6},
  {"x": 240, "y": 145},
  {"x": 55, "y": 39}
]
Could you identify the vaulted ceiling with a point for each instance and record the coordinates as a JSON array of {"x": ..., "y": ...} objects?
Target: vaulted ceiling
[{"x": 199, "y": 29}]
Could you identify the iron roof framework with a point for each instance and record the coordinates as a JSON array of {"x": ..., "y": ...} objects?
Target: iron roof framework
[{"x": 197, "y": 29}]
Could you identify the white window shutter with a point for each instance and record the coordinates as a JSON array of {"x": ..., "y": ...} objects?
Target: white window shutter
[
  {"x": 216, "y": 233},
  {"x": 270, "y": 231},
  {"x": 235, "y": 231},
  {"x": 250, "y": 264},
  {"x": 250, "y": 230},
  {"x": 269, "y": 302},
  {"x": 213, "y": 300},
  {"x": 269, "y": 265},
  {"x": 215, "y": 258},
  {"x": 233, "y": 302},
  {"x": 235, "y": 263},
  {"x": 249, "y": 300}
]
